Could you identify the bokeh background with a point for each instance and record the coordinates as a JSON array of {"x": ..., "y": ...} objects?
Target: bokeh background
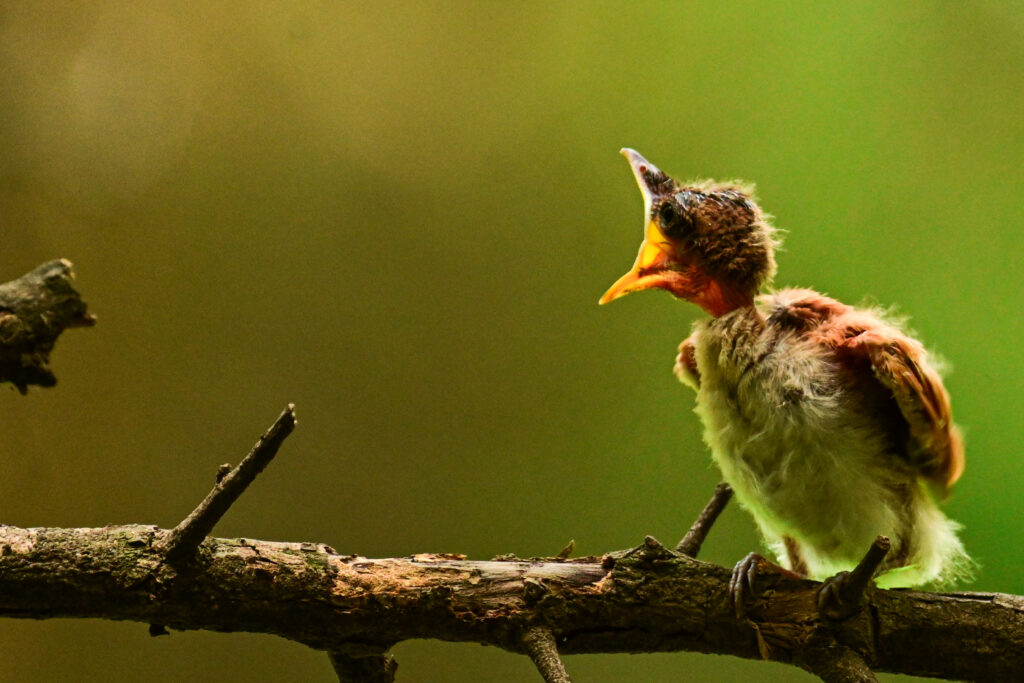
[{"x": 400, "y": 216}]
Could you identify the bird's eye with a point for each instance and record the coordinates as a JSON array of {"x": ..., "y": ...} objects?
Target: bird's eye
[
  {"x": 667, "y": 215},
  {"x": 674, "y": 223}
]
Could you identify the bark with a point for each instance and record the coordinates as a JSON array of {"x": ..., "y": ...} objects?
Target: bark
[{"x": 646, "y": 600}]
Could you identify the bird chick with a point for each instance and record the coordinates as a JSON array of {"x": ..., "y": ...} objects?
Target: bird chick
[{"x": 827, "y": 420}]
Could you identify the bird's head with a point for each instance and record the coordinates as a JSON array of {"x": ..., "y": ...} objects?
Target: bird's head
[{"x": 708, "y": 242}]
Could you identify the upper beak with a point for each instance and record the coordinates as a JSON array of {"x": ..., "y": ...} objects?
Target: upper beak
[
  {"x": 655, "y": 250},
  {"x": 646, "y": 175}
]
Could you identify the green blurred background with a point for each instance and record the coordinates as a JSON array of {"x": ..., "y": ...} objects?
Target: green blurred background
[{"x": 400, "y": 217}]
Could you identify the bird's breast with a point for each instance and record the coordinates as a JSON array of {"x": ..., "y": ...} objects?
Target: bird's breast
[
  {"x": 766, "y": 396},
  {"x": 787, "y": 431}
]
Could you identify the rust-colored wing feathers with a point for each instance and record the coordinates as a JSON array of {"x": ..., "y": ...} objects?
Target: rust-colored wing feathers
[{"x": 900, "y": 364}]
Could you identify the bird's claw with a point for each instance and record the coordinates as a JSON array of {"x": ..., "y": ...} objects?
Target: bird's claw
[
  {"x": 832, "y": 599},
  {"x": 743, "y": 583}
]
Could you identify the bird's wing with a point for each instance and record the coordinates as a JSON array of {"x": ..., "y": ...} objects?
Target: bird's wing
[
  {"x": 900, "y": 364},
  {"x": 686, "y": 364}
]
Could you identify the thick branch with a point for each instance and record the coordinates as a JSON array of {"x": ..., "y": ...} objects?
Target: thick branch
[
  {"x": 34, "y": 310},
  {"x": 645, "y": 601}
]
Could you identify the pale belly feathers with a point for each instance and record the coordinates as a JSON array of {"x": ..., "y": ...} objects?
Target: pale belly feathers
[{"x": 805, "y": 458}]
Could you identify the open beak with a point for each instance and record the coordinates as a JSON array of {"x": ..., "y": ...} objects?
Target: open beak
[{"x": 651, "y": 267}]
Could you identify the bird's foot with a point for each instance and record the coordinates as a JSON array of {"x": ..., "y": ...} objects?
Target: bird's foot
[
  {"x": 743, "y": 584},
  {"x": 843, "y": 595},
  {"x": 834, "y": 600}
]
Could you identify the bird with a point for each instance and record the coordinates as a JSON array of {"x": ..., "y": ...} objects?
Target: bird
[{"x": 830, "y": 422}]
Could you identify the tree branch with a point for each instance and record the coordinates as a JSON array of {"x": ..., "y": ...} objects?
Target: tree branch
[
  {"x": 646, "y": 601},
  {"x": 34, "y": 310}
]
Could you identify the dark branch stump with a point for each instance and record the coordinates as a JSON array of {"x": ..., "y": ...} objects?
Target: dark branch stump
[{"x": 34, "y": 310}]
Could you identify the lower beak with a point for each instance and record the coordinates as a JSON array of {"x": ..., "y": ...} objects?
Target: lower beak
[{"x": 650, "y": 269}]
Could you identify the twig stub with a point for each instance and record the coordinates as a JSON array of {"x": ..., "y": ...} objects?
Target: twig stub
[
  {"x": 838, "y": 664},
  {"x": 182, "y": 541},
  {"x": 370, "y": 669},
  {"x": 539, "y": 643},
  {"x": 566, "y": 551},
  {"x": 694, "y": 538}
]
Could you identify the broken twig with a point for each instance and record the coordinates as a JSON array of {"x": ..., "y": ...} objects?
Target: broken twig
[
  {"x": 182, "y": 541},
  {"x": 694, "y": 538}
]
